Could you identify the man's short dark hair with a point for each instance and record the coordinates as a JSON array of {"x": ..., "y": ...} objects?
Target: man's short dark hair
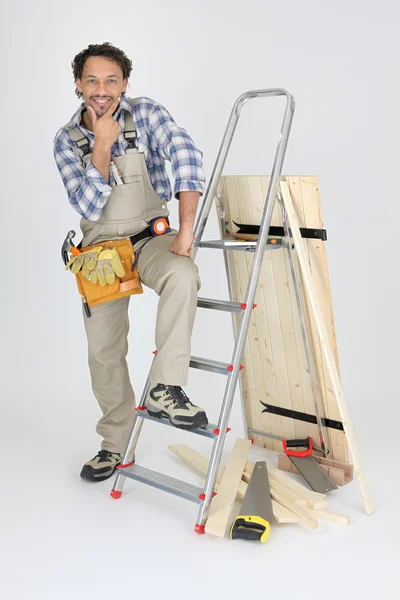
[{"x": 108, "y": 51}]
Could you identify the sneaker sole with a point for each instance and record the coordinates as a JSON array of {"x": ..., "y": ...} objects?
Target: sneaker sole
[
  {"x": 198, "y": 423},
  {"x": 88, "y": 475}
]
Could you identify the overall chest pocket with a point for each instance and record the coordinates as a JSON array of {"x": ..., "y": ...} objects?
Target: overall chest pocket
[{"x": 127, "y": 202}]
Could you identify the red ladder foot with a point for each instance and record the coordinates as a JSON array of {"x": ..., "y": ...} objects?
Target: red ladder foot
[
  {"x": 115, "y": 494},
  {"x": 199, "y": 528}
]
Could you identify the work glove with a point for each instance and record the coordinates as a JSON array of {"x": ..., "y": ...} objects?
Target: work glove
[
  {"x": 108, "y": 265},
  {"x": 86, "y": 261}
]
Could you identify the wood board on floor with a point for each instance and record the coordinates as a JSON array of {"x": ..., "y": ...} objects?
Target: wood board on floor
[{"x": 275, "y": 364}]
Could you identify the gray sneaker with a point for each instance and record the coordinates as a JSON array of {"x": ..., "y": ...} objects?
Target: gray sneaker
[
  {"x": 170, "y": 401},
  {"x": 101, "y": 466}
]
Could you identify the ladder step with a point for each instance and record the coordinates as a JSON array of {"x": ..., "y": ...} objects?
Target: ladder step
[
  {"x": 208, "y": 431},
  {"x": 163, "y": 482},
  {"x": 243, "y": 246},
  {"x": 205, "y": 364},
  {"x": 227, "y": 306}
]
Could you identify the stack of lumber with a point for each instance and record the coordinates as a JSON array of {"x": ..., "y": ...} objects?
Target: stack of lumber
[{"x": 292, "y": 502}]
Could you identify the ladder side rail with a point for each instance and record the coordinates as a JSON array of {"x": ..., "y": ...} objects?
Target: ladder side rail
[{"x": 253, "y": 279}]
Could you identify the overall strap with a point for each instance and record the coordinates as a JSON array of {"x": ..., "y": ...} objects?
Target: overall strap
[
  {"x": 130, "y": 132},
  {"x": 81, "y": 142}
]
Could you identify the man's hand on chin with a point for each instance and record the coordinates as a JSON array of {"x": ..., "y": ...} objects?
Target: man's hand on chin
[{"x": 182, "y": 244}]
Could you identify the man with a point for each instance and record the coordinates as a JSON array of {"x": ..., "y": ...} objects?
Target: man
[{"x": 123, "y": 202}]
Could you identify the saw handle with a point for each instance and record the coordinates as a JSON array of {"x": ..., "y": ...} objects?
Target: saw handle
[
  {"x": 251, "y": 528},
  {"x": 306, "y": 443}
]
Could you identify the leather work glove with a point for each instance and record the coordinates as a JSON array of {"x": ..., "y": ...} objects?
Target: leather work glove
[
  {"x": 108, "y": 265},
  {"x": 86, "y": 261}
]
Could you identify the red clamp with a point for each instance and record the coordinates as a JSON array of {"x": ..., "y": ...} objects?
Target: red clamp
[
  {"x": 307, "y": 443},
  {"x": 217, "y": 431},
  {"x": 203, "y": 496},
  {"x": 121, "y": 466}
]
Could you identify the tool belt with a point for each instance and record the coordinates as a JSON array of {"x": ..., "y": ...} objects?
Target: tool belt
[{"x": 129, "y": 284}]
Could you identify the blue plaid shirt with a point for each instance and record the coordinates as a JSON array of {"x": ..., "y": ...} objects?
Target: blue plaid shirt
[{"x": 158, "y": 137}]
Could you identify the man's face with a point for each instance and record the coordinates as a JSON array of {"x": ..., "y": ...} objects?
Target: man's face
[{"x": 101, "y": 83}]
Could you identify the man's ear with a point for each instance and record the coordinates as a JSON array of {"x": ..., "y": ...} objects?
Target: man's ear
[{"x": 78, "y": 85}]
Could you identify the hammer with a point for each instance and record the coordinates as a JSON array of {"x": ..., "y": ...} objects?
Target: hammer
[{"x": 67, "y": 247}]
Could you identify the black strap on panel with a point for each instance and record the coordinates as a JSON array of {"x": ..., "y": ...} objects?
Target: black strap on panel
[
  {"x": 299, "y": 416},
  {"x": 306, "y": 232}
]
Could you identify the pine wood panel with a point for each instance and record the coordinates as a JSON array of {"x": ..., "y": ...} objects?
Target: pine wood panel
[{"x": 275, "y": 364}]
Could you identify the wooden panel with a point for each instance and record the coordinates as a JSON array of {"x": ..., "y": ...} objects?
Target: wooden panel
[
  {"x": 238, "y": 267},
  {"x": 274, "y": 358}
]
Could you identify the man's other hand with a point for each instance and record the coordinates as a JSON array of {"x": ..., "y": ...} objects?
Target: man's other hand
[{"x": 182, "y": 244}]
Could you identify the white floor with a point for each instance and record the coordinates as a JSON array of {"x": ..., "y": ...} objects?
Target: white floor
[{"x": 62, "y": 538}]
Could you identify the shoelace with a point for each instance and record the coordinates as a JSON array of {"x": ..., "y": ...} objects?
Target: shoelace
[
  {"x": 105, "y": 455},
  {"x": 178, "y": 396}
]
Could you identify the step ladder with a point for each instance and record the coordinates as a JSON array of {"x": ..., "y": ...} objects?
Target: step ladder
[{"x": 217, "y": 432}]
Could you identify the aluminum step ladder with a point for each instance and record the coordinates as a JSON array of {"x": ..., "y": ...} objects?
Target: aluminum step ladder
[{"x": 217, "y": 432}]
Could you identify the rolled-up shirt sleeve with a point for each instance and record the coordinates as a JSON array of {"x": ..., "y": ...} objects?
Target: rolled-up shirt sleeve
[
  {"x": 87, "y": 190},
  {"x": 175, "y": 145}
]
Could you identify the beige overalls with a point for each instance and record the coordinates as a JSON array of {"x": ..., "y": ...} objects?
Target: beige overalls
[{"x": 129, "y": 210}]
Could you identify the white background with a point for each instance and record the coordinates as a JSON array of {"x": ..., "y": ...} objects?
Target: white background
[{"x": 61, "y": 538}]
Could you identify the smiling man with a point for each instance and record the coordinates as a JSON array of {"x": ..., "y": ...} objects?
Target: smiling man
[{"x": 128, "y": 200}]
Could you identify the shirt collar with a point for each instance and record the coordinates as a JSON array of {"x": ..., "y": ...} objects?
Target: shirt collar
[{"x": 123, "y": 105}]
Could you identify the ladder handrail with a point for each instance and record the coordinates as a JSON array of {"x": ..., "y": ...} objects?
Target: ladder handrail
[{"x": 226, "y": 143}]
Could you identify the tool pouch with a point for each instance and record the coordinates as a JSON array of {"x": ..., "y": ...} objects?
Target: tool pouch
[{"x": 129, "y": 284}]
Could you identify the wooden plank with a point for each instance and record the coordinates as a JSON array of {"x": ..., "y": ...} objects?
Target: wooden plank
[
  {"x": 314, "y": 499},
  {"x": 306, "y": 403},
  {"x": 289, "y": 494},
  {"x": 319, "y": 272},
  {"x": 200, "y": 464},
  {"x": 300, "y": 511},
  {"x": 193, "y": 458},
  {"x": 327, "y": 350},
  {"x": 279, "y": 487},
  {"x": 222, "y": 505},
  {"x": 282, "y": 514},
  {"x": 322, "y": 515}
]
